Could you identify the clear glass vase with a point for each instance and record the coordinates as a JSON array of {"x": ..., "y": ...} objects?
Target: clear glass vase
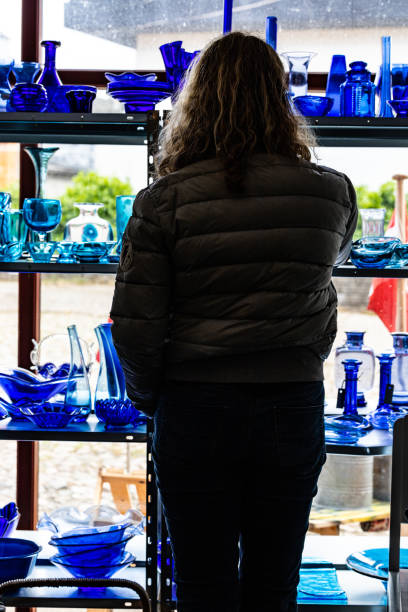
[
  {"x": 399, "y": 371},
  {"x": 298, "y": 62},
  {"x": 78, "y": 393},
  {"x": 40, "y": 156},
  {"x": 88, "y": 226},
  {"x": 354, "y": 348}
]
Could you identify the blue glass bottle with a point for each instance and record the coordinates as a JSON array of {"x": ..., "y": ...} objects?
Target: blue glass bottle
[
  {"x": 385, "y": 413},
  {"x": 49, "y": 77},
  {"x": 357, "y": 93},
  {"x": 78, "y": 392},
  {"x": 399, "y": 372}
]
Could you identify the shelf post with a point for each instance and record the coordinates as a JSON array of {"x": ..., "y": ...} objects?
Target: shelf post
[{"x": 401, "y": 222}]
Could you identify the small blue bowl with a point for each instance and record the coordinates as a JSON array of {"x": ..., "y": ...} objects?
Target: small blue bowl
[
  {"x": 42, "y": 252},
  {"x": 116, "y": 413},
  {"x": 10, "y": 251},
  {"x": 89, "y": 536},
  {"x": 400, "y": 107},
  {"x": 90, "y": 252},
  {"x": 313, "y": 106},
  {"x": 50, "y": 415},
  {"x": 373, "y": 252},
  {"x": 17, "y": 558}
]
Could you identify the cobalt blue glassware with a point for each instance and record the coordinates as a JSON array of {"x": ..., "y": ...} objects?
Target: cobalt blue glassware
[
  {"x": 50, "y": 415},
  {"x": 313, "y": 106},
  {"x": 60, "y": 103},
  {"x": 117, "y": 413},
  {"x": 385, "y": 86},
  {"x": 386, "y": 412},
  {"x": 336, "y": 77},
  {"x": 80, "y": 101},
  {"x": 26, "y": 72},
  {"x": 86, "y": 536},
  {"x": 124, "y": 208},
  {"x": 400, "y": 92},
  {"x": 78, "y": 393},
  {"x": 129, "y": 77},
  {"x": 9, "y": 518},
  {"x": 5, "y": 89},
  {"x": 357, "y": 93},
  {"x": 49, "y": 76},
  {"x": 41, "y": 215},
  {"x": 176, "y": 61},
  {"x": 399, "y": 371},
  {"x": 94, "y": 571},
  {"x": 42, "y": 252},
  {"x": 271, "y": 30},
  {"x": 400, "y": 107},
  {"x": 399, "y": 75},
  {"x": 90, "y": 252},
  {"x": 373, "y": 252},
  {"x": 17, "y": 558},
  {"x": 28, "y": 97},
  {"x": 66, "y": 248},
  {"x": 139, "y": 96},
  {"x": 94, "y": 552},
  {"x": 3, "y": 411},
  {"x": 40, "y": 157}
]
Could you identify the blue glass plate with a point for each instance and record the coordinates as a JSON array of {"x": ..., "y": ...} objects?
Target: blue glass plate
[
  {"x": 139, "y": 86},
  {"x": 320, "y": 583},
  {"x": 373, "y": 562}
]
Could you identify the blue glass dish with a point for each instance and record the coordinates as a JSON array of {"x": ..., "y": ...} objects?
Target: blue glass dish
[
  {"x": 11, "y": 251},
  {"x": 116, "y": 413},
  {"x": 17, "y": 558},
  {"x": 100, "y": 555},
  {"x": 80, "y": 101},
  {"x": 373, "y": 252},
  {"x": 86, "y": 536},
  {"x": 42, "y": 252},
  {"x": 66, "y": 249},
  {"x": 60, "y": 103},
  {"x": 50, "y": 415},
  {"x": 26, "y": 72},
  {"x": 92, "y": 571},
  {"x": 9, "y": 518},
  {"x": 373, "y": 562},
  {"x": 28, "y": 97},
  {"x": 129, "y": 77},
  {"x": 139, "y": 98},
  {"x": 400, "y": 107},
  {"x": 313, "y": 106},
  {"x": 90, "y": 252},
  {"x": 21, "y": 385},
  {"x": 93, "y": 551}
]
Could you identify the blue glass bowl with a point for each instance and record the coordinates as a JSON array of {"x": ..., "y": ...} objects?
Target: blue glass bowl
[
  {"x": 373, "y": 252},
  {"x": 66, "y": 250},
  {"x": 17, "y": 558},
  {"x": 28, "y": 97},
  {"x": 42, "y": 252},
  {"x": 313, "y": 106},
  {"x": 100, "y": 555},
  {"x": 400, "y": 107},
  {"x": 140, "y": 97},
  {"x": 59, "y": 102},
  {"x": 129, "y": 77},
  {"x": 9, "y": 518},
  {"x": 90, "y": 252},
  {"x": 10, "y": 251},
  {"x": 23, "y": 386},
  {"x": 89, "y": 536},
  {"x": 92, "y": 571},
  {"x": 116, "y": 412},
  {"x": 94, "y": 552},
  {"x": 50, "y": 415},
  {"x": 400, "y": 257}
]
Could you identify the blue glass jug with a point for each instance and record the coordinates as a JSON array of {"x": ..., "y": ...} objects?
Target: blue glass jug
[{"x": 357, "y": 93}]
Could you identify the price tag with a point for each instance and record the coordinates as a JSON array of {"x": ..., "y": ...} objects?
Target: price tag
[
  {"x": 341, "y": 394},
  {"x": 389, "y": 390}
]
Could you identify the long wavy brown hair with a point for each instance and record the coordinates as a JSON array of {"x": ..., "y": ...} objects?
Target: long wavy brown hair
[{"x": 233, "y": 103}]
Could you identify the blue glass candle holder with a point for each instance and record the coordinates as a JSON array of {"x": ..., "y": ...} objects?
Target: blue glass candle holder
[
  {"x": 80, "y": 101},
  {"x": 386, "y": 412},
  {"x": 26, "y": 72},
  {"x": 28, "y": 97},
  {"x": 66, "y": 251},
  {"x": 313, "y": 106},
  {"x": 373, "y": 252}
]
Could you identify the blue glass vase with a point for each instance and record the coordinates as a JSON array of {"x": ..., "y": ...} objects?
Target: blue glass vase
[
  {"x": 399, "y": 371},
  {"x": 354, "y": 348},
  {"x": 271, "y": 31},
  {"x": 78, "y": 393},
  {"x": 5, "y": 88},
  {"x": 26, "y": 72},
  {"x": 349, "y": 426},
  {"x": 49, "y": 76},
  {"x": 357, "y": 93},
  {"x": 80, "y": 101},
  {"x": 40, "y": 157},
  {"x": 336, "y": 77},
  {"x": 385, "y": 414},
  {"x": 124, "y": 208},
  {"x": 28, "y": 97},
  {"x": 385, "y": 71},
  {"x": 5, "y": 226}
]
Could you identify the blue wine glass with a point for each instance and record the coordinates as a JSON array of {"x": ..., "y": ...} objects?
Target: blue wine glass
[{"x": 41, "y": 215}]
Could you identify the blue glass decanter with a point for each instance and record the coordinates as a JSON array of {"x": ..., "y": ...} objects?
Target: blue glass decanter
[
  {"x": 385, "y": 413},
  {"x": 399, "y": 371},
  {"x": 78, "y": 393},
  {"x": 354, "y": 348},
  {"x": 49, "y": 76},
  {"x": 112, "y": 405},
  {"x": 357, "y": 93},
  {"x": 349, "y": 426}
]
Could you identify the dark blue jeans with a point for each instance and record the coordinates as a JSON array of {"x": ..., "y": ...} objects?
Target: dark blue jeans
[{"x": 237, "y": 468}]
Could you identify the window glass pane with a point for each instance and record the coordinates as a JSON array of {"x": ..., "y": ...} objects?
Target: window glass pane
[
  {"x": 127, "y": 34},
  {"x": 10, "y": 30}
]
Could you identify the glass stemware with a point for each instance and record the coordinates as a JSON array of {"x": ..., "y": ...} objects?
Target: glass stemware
[
  {"x": 41, "y": 215},
  {"x": 298, "y": 66},
  {"x": 40, "y": 158}
]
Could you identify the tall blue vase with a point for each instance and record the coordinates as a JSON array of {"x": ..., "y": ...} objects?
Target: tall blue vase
[
  {"x": 385, "y": 87},
  {"x": 336, "y": 77},
  {"x": 271, "y": 31},
  {"x": 78, "y": 393}
]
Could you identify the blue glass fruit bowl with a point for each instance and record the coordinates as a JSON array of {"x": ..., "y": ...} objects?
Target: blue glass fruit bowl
[
  {"x": 373, "y": 252},
  {"x": 116, "y": 413},
  {"x": 9, "y": 518},
  {"x": 11, "y": 251},
  {"x": 400, "y": 107},
  {"x": 20, "y": 385},
  {"x": 28, "y": 97},
  {"x": 313, "y": 106},
  {"x": 94, "y": 571},
  {"x": 89, "y": 536},
  {"x": 50, "y": 415},
  {"x": 17, "y": 558},
  {"x": 90, "y": 252}
]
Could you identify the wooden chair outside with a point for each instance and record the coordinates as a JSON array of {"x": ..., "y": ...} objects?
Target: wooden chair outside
[{"x": 119, "y": 482}]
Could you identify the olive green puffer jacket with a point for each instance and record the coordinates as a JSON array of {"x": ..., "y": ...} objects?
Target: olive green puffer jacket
[{"x": 219, "y": 287}]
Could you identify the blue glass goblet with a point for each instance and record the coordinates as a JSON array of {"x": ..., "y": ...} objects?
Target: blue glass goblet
[{"x": 41, "y": 215}]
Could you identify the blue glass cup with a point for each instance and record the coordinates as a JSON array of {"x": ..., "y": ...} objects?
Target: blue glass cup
[
  {"x": 41, "y": 215},
  {"x": 80, "y": 101},
  {"x": 42, "y": 251},
  {"x": 66, "y": 248}
]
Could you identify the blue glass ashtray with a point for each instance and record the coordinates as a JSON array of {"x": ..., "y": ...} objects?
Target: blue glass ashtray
[
  {"x": 10, "y": 251},
  {"x": 373, "y": 252},
  {"x": 28, "y": 97},
  {"x": 90, "y": 252},
  {"x": 9, "y": 518},
  {"x": 116, "y": 412},
  {"x": 50, "y": 415},
  {"x": 17, "y": 558},
  {"x": 94, "y": 571},
  {"x": 400, "y": 107},
  {"x": 313, "y": 106}
]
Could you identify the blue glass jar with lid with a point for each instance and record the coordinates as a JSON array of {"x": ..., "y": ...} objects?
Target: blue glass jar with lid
[
  {"x": 354, "y": 348},
  {"x": 357, "y": 93},
  {"x": 399, "y": 372}
]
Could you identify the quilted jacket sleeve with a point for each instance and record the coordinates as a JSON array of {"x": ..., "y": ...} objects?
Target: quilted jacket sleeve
[
  {"x": 351, "y": 225},
  {"x": 140, "y": 308}
]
